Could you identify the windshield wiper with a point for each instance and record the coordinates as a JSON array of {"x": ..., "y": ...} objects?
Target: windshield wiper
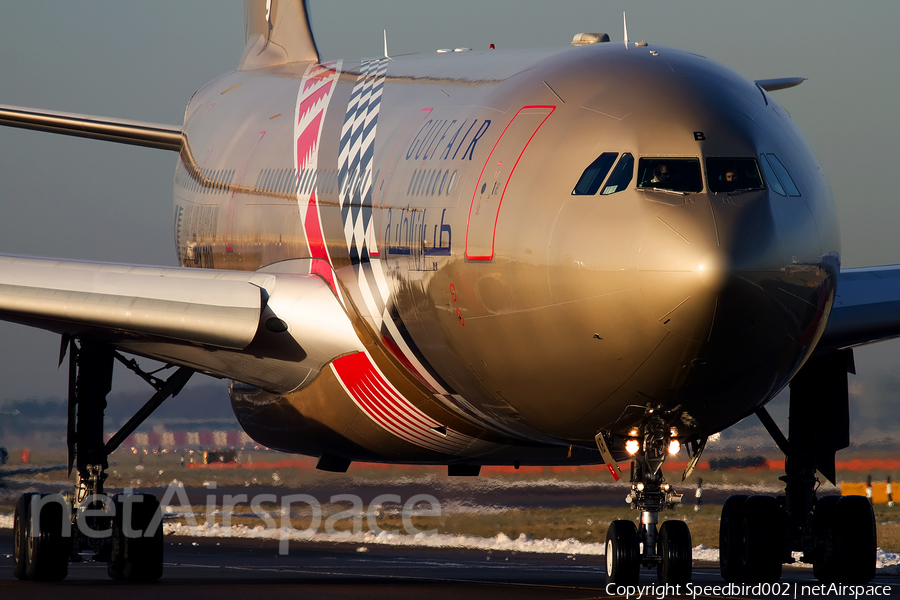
[
  {"x": 740, "y": 191},
  {"x": 664, "y": 190}
]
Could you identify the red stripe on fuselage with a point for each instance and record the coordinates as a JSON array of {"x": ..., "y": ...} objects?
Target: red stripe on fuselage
[
  {"x": 308, "y": 142},
  {"x": 395, "y": 419},
  {"x": 319, "y": 73},
  {"x": 378, "y": 399},
  {"x": 309, "y": 103},
  {"x": 316, "y": 241}
]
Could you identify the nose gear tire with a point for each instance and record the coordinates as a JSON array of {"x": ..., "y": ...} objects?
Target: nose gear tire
[
  {"x": 674, "y": 550},
  {"x": 623, "y": 561}
]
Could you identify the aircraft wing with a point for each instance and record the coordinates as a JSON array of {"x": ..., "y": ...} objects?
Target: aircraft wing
[
  {"x": 123, "y": 131},
  {"x": 771, "y": 85},
  {"x": 214, "y": 308},
  {"x": 866, "y": 308},
  {"x": 271, "y": 329}
]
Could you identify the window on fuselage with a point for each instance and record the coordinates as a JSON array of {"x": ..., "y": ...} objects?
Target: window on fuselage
[
  {"x": 621, "y": 175},
  {"x": 593, "y": 176},
  {"x": 733, "y": 174},
  {"x": 671, "y": 174},
  {"x": 592, "y": 180},
  {"x": 777, "y": 175}
]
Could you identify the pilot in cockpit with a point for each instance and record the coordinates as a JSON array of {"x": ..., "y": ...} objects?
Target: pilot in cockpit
[{"x": 660, "y": 174}]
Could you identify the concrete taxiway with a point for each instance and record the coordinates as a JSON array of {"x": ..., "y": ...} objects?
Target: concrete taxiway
[{"x": 222, "y": 569}]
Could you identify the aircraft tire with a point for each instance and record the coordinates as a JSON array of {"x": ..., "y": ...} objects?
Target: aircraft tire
[
  {"x": 20, "y": 535},
  {"x": 674, "y": 550},
  {"x": 853, "y": 543},
  {"x": 761, "y": 536},
  {"x": 623, "y": 561},
  {"x": 825, "y": 567},
  {"x": 730, "y": 529},
  {"x": 47, "y": 552},
  {"x": 137, "y": 558}
]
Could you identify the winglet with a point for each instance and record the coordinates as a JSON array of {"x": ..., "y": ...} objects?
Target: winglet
[
  {"x": 385, "y": 46},
  {"x": 625, "y": 24},
  {"x": 276, "y": 32}
]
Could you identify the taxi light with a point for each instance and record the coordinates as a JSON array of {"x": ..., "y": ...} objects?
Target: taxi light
[
  {"x": 674, "y": 447},
  {"x": 632, "y": 446},
  {"x": 640, "y": 487}
]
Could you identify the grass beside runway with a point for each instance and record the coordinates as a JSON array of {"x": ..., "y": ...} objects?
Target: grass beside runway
[{"x": 585, "y": 524}]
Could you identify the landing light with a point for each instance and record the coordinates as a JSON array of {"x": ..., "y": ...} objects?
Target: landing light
[
  {"x": 640, "y": 487},
  {"x": 632, "y": 446},
  {"x": 674, "y": 447}
]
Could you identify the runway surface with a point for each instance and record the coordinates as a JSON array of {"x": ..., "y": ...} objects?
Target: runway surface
[{"x": 222, "y": 569}]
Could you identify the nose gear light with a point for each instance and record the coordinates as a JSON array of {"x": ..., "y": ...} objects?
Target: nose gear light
[{"x": 632, "y": 446}]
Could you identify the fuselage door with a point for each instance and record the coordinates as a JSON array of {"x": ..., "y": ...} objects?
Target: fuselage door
[{"x": 495, "y": 177}]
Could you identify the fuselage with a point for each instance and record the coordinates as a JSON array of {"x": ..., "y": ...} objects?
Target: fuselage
[{"x": 448, "y": 203}]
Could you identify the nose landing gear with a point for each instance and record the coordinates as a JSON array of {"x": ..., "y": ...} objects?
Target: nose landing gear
[
  {"x": 125, "y": 530},
  {"x": 666, "y": 548}
]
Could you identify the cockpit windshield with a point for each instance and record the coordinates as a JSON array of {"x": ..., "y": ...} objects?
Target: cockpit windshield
[
  {"x": 670, "y": 174},
  {"x": 733, "y": 174}
]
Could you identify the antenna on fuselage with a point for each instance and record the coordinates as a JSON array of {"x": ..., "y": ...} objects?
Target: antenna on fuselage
[
  {"x": 625, "y": 25},
  {"x": 385, "y": 46}
]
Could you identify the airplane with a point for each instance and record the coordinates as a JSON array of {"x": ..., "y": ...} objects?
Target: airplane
[{"x": 477, "y": 258}]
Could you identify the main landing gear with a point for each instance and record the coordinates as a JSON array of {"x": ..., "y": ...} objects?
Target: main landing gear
[
  {"x": 124, "y": 530},
  {"x": 667, "y": 547},
  {"x": 757, "y": 534}
]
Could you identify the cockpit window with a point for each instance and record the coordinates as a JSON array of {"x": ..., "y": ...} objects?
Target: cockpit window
[
  {"x": 733, "y": 175},
  {"x": 777, "y": 175},
  {"x": 621, "y": 175},
  {"x": 670, "y": 174},
  {"x": 594, "y": 175}
]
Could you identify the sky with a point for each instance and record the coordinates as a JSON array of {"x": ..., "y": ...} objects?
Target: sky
[{"x": 83, "y": 199}]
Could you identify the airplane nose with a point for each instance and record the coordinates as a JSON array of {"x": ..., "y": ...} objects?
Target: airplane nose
[
  {"x": 745, "y": 287},
  {"x": 683, "y": 267}
]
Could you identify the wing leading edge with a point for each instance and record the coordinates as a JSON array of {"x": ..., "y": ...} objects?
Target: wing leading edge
[{"x": 866, "y": 308}]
